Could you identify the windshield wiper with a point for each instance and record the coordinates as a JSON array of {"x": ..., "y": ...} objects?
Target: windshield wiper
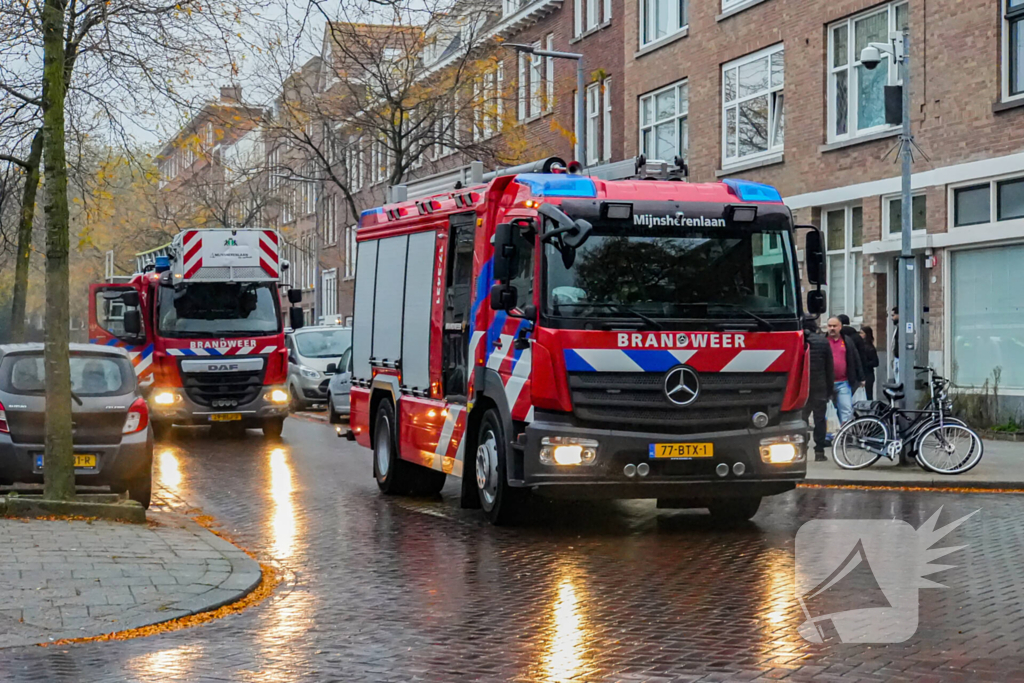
[
  {"x": 622, "y": 307},
  {"x": 764, "y": 324}
]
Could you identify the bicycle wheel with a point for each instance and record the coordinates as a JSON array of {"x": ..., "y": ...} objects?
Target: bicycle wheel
[
  {"x": 915, "y": 447},
  {"x": 950, "y": 449},
  {"x": 860, "y": 443}
]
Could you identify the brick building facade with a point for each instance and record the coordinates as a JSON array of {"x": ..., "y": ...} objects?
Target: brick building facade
[{"x": 775, "y": 93}]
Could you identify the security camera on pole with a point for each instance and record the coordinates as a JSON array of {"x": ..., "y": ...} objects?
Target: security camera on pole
[{"x": 897, "y": 109}]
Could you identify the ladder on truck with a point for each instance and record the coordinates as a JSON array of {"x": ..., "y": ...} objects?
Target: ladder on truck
[{"x": 472, "y": 174}]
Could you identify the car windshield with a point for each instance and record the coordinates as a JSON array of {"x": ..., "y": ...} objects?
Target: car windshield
[
  {"x": 323, "y": 343},
  {"x": 90, "y": 375},
  {"x": 670, "y": 272},
  {"x": 219, "y": 309}
]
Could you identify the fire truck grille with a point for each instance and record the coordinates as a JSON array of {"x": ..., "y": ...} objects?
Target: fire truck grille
[
  {"x": 727, "y": 400},
  {"x": 223, "y": 390}
]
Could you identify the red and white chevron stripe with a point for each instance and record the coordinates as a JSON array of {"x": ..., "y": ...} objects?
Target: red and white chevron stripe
[
  {"x": 269, "y": 258},
  {"x": 192, "y": 245}
]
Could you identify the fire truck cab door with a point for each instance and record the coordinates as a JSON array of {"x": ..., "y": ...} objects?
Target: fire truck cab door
[
  {"x": 458, "y": 300},
  {"x": 115, "y": 312}
]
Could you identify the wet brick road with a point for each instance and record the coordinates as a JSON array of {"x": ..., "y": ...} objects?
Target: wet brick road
[{"x": 384, "y": 589}]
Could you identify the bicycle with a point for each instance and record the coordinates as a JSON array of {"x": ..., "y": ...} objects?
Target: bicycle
[{"x": 939, "y": 442}]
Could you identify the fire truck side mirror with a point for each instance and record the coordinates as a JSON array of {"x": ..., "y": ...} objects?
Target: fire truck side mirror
[
  {"x": 503, "y": 297},
  {"x": 814, "y": 255},
  {"x": 294, "y": 296},
  {"x": 130, "y": 298},
  {"x": 133, "y": 321},
  {"x": 506, "y": 254},
  {"x": 295, "y": 316},
  {"x": 816, "y": 302}
]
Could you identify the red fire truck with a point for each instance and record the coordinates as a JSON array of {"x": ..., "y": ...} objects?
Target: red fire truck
[
  {"x": 585, "y": 338},
  {"x": 203, "y": 329}
]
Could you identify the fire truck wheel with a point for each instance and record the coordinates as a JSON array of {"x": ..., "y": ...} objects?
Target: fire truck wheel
[
  {"x": 390, "y": 471},
  {"x": 272, "y": 428},
  {"x": 734, "y": 510},
  {"x": 499, "y": 501}
]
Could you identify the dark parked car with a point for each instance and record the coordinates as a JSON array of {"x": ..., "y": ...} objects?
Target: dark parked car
[{"x": 112, "y": 438}]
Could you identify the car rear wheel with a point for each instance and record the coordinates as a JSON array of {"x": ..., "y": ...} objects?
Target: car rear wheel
[
  {"x": 140, "y": 489},
  {"x": 273, "y": 427},
  {"x": 332, "y": 415}
]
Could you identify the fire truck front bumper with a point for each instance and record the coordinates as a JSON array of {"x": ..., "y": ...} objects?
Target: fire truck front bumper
[
  {"x": 174, "y": 406},
  {"x": 564, "y": 460}
]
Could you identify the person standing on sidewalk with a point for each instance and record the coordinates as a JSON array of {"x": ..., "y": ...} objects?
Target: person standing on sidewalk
[
  {"x": 851, "y": 332},
  {"x": 848, "y": 371},
  {"x": 822, "y": 382},
  {"x": 870, "y": 360},
  {"x": 895, "y": 344}
]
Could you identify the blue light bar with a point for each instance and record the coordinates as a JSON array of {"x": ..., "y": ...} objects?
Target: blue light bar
[
  {"x": 557, "y": 185},
  {"x": 370, "y": 212},
  {"x": 162, "y": 263},
  {"x": 749, "y": 191}
]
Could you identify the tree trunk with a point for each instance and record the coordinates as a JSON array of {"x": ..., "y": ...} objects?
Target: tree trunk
[
  {"x": 28, "y": 210},
  {"x": 59, "y": 472}
]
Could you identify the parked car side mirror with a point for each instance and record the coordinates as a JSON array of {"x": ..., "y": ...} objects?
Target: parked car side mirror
[
  {"x": 292, "y": 359},
  {"x": 332, "y": 368}
]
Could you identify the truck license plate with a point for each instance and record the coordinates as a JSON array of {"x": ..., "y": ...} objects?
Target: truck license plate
[
  {"x": 682, "y": 450},
  {"x": 226, "y": 417},
  {"x": 83, "y": 461}
]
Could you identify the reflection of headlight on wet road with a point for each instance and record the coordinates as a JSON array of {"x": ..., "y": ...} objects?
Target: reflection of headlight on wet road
[{"x": 283, "y": 521}]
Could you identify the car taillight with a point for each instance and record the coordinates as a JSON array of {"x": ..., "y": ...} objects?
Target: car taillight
[
  {"x": 3, "y": 420},
  {"x": 138, "y": 417}
]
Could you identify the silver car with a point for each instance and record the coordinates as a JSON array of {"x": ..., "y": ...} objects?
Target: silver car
[
  {"x": 310, "y": 351},
  {"x": 111, "y": 434},
  {"x": 338, "y": 391}
]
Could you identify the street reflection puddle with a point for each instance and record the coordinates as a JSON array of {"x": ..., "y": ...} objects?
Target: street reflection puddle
[
  {"x": 775, "y": 595},
  {"x": 162, "y": 664},
  {"x": 169, "y": 471},
  {"x": 283, "y": 520},
  {"x": 565, "y": 652}
]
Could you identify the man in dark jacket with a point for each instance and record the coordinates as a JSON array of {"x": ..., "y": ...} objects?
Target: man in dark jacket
[
  {"x": 849, "y": 374},
  {"x": 849, "y": 331},
  {"x": 822, "y": 383}
]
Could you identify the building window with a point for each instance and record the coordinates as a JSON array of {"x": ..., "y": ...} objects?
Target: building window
[
  {"x": 753, "y": 107},
  {"x": 844, "y": 243},
  {"x": 329, "y": 293},
  {"x": 972, "y": 205},
  {"x": 350, "y": 252},
  {"x": 593, "y": 116},
  {"x": 607, "y": 124},
  {"x": 892, "y": 217},
  {"x": 1013, "y": 56},
  {"x": 986, "y": 318},
  {"x": 549, "y": 74},
  {"x": 856, "y": 95},
  {"x": 586, "y": 15},
  {"x": 536, "y": 92},
  {"x": 536, "y": 77},
  {"x": 664, "y": 132},
  {"x": 1000, "y": 199},
  {"x": 661, "y": 19},
  {"x": 354, "y": 165},
  {"x": 330, "y": 228},
  {"x": 380, "y": 159}
]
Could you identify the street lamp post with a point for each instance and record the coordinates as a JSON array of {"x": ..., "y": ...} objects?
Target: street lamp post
[
  {"x": 898, "y": 48},
  {"x": 581, "y": 132}
]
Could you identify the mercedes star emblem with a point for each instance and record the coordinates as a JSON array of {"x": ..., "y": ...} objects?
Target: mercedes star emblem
[{"x": 682, "y": 385}]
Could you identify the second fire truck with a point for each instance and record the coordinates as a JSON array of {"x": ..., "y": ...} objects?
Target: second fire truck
[{"x": 585, "y": 338}]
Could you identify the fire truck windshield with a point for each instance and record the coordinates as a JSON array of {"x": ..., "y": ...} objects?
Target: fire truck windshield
[
  {"x": 218, "y": 309},
  {"x": 657, "y": 273}
]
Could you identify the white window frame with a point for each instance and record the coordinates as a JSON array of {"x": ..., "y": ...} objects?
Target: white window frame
[
  {"x": 993, "y": 202},
  {"x": 536, "y": 76},
  {"x": 606, "y": 130},
  {"x": 889, "y": 199},
  {"x": 1017, "y": 15},
  {"x": 586, "y": 15},
  {"x": 851, "y": 70},
  {"x": 329, "y": 292},
  {"x": 549, "y": 74},
  {"x": 850, "y": 262},
  {"x": 330, "y": 230},
  {"x": 350, "y": 251},
  {"x": 679, "y": 116},
  {"x": 522, "y": 112},
  {"x": 678, "y": 19},
  {"x": 355, "y": 172},
  {"x": 380, "y": 158},
  {"x": 776, "y": 107},
  {"x": 593, "y": 99}
]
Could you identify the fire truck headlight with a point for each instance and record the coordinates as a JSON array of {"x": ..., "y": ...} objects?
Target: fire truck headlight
[
  {"x": 782, "y": 450},
  {"x": 567, "y": 450},
  {"x": 277, "y": 396},
  {"x": 164, "y": 398}
]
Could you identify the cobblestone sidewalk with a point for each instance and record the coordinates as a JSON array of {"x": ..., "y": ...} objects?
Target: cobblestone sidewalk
[{"x": 72, "y": 579}]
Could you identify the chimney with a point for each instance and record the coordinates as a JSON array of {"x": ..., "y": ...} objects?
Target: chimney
[{"x": 231, "y": 94}]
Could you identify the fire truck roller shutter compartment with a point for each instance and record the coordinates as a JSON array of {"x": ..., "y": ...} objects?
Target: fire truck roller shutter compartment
[
  {"x": 419, "y": 275},
  {"x": 389, "y": 299},
  {"x": 362, "y": 334}
]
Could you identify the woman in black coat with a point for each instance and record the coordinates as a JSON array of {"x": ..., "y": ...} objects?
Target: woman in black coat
[{"x": 870, "y": 360}]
